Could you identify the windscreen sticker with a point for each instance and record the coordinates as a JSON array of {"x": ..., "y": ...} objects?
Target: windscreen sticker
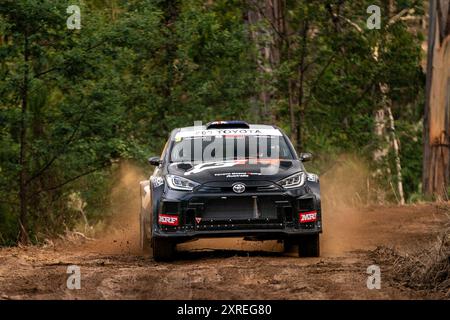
[
  {"x": 228, "y": 132},
  {"x": 237, "y": 174},
  {"x": 211, "y": 165},
  {"x": 216, "y": 165}
]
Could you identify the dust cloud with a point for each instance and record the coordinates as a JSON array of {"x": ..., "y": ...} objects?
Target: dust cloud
[
  {"x": 122, "y": 233},
  {"x": 344, "y": 190}
]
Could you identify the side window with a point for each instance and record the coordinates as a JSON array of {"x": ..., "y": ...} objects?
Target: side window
[{"x": 163, "y": 152}]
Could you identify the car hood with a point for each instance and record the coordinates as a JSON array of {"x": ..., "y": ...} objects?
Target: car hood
[{"x": 236, "y": 170}]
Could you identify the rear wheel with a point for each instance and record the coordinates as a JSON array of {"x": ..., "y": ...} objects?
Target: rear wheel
[
  {"x": 163, "y": 249},
  {"x": 309, "y": 246}
]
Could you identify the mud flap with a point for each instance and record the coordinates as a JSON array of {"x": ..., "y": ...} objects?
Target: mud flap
[
  {"x": 309, "y": 246},
  {"x": 145, "y": 217}
]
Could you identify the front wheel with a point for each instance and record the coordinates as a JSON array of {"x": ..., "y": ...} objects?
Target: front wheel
[
  {"x": 309, "y": 246},
  {"x": 163, "y": 249},
  {"x": 288, "y": 246}
]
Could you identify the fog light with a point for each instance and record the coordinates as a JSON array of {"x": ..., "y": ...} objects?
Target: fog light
[{"x": 310, "y": 216}]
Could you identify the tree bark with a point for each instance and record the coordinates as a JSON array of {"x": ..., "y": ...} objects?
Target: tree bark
[
  {"x": 385, "y": 130},
  {"x": 385, "y": 110},
  {"x": 23, "y": 161},
  {"x": 436, "y": 124},
  {"x": 395, "y": 146},
  {"x": 301, "y": 85},
  {"x": 269, "y": 53}
]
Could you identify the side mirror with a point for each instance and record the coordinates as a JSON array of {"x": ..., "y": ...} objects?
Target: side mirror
[
  {"x": 305, "y": 156},
  {"x": 154, "y": 161}
]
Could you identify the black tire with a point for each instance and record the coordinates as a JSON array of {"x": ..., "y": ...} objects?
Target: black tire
[
  {"x": 309, "y": 246},
  {"x": 163, "y": 249},
  {"x": 288, "y": 246}
]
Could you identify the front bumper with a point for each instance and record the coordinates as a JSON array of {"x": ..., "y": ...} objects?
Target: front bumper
[{"x": 262, "y": 215}]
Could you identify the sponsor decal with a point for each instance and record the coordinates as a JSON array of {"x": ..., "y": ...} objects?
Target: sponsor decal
[
  {"x": 198, "y": 219},
  {"x": 210, "y": 165},
  {"x": 312, "y": 177},
  {"x": 225, "y": 132},
  {"x": 168, "y": 220},
  {"x": 231, "y": 163},
  {"x": 157, "y": 181},
  {"x": 309, "y": 216},
  {"x": 237, "y": 174}
]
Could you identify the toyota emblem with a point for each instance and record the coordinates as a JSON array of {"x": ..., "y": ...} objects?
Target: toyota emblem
[{"x": 238, "y": 187}]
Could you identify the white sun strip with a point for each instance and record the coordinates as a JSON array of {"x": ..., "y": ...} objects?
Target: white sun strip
[{"x": 225, "y": 132}]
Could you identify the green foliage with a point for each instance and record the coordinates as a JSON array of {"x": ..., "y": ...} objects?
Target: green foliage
[
  {"x": 137, "y": 69},
  {"x": 345, "y": 63}
]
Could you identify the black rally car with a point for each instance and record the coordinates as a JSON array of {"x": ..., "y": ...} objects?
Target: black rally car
[{"x": 230, "y": 179}]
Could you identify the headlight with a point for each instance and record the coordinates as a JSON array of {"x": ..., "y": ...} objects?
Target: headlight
[
  {"x": 180, "y": 183},
  {"x": 294, "y": 181}
]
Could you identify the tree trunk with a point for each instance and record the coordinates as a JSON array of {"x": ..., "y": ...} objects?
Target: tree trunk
[
  {"x": 436, "y": 130},
  {"x": 293, "y": 112},
  {"x": 23, "y": 161},
  {"x": 271, "y": 11},
  {"x": 395, "y": 146},
  {"x": 292, "y": 94},
  {"x": 385, "y": 130},
  {"x": 301, "y": 85}
]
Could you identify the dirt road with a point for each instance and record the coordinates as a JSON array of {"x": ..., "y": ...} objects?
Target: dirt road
[{"x": 112, "y": 268}]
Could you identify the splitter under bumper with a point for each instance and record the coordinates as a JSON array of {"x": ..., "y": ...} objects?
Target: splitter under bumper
[{"x": 268, "y": 234}]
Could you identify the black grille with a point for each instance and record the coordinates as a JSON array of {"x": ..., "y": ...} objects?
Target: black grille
[
  {"x": 227, "y": 187},
  {"x": 170, "y": 207},
  {"x": 236, "y": 209},
  {"x": 306, "y": 204},
  {"x": 271, "y": 187},
  {"x": 240, "y": 208},
  {"x": 205, "y": 188}
]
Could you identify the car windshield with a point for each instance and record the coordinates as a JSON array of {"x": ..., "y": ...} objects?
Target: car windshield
[{"x": 216, "y": 148}]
